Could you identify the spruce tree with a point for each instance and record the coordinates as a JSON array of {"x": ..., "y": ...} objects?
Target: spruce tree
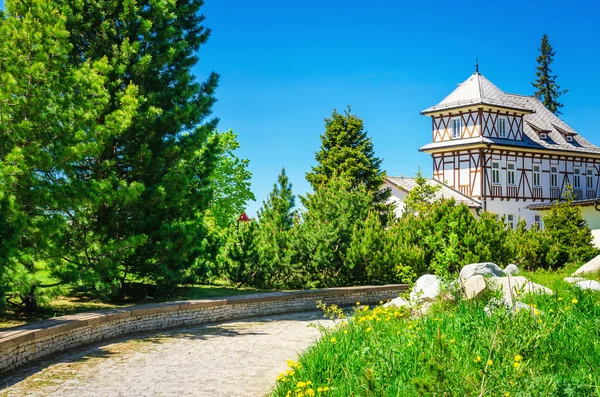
[
  {"x": 151, "y": 182},
  {"x": 347, "y": 150},
  {"x": 547, "y": 90},
  {"x": 275, "y": 219}
]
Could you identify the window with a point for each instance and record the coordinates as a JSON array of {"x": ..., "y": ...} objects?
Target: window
[
  {"x": 456, "y": 128},
  {"x": 537, "y": 223},
  {"x": 569, "y": 138},
  {"x": 502, "y": 128},
  {"x": 554, "y": 176},
  {"x": 589, "y": 182},
  {"x": 543, "y": 135},
  {"x": 496, "y": 173},
  {"x": 510, "y": 174},
  {"x": 510, "y": 221},
  {"x": 577, "y": 178},
  {"x": 536, "y": 175}
]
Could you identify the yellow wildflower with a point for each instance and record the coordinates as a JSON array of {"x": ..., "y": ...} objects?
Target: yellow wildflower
[
  {"x": 560, "y": 299},
  {"x": 381, "y": 302},
  {"x": 326, "y": 389},
  {"x": 345, "y": 331},
  {"x": 516, "y": 364},
  {"x": 518, "y": 358},
  {"x": 308, "y": 383},
  {"x": 333, "y": 340},
  {"x": 506, "y": 394},
  {"x": 357, "y": 303},
  {"x": 489, "y": 363},
  {"x": 320, "y": 390},
  {"x": 477, "y": 359},
  {"x": 301, "y": 385},
  {"x": 452, "y": 340},
  {"x": 574, "y": 301},
  {"x": 512, "y": 382},
  {"x": 369, "y": 329},
  {"x": 310, "y": 392}
]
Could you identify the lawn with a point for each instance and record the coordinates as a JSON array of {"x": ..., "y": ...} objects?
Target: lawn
[
  {"x": 459, "y": 350},
  {"x": 77, "y": 302}
]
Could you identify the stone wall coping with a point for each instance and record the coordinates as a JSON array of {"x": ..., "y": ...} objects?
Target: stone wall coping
[{"x": 18, "y": 335}]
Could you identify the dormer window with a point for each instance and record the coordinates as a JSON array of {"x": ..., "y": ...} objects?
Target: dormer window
[
  {"x": 456, "y": 128},
  {"x": 502, "y": 127},
  {"x": 569, "y": 138},
  {"x": 543, "y": 135}
]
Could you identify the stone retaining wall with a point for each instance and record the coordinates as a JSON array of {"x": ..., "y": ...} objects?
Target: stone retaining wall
[{"x": 23, "y": 344}]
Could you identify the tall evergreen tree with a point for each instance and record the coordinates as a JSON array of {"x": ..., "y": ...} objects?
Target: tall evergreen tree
[
  {"x": 275, "y": 219},
  {"x": 547, "y": 90},
  {"x": 347, "y": 150},
  {"x": 53, "y": 118},
  {"x": 154, "y": 178}
]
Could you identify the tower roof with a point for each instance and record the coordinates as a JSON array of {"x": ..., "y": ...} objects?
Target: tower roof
[{"x": 476, "y": 90}]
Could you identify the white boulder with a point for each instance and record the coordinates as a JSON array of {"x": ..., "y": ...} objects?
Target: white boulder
[
  {"x": 513, "y": 287},
  {"x": 426, "y": 289},
  {"x": 511, "y": 269},
  {"x": 589, "y": 284},
  {"x": 573, "y": 280},
  {"x": 484, "y": 269},
  {"x": 591, "y": 267},
  {"x": 397, "y": 302},
  {"x": 475, "y": 286}
]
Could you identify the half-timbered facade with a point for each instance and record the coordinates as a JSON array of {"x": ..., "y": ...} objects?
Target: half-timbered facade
[{"x": 508, "y": 151}]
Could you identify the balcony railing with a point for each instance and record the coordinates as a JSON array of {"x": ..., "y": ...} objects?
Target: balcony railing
[
  {"x": 496, "y": 191},
  {"x": 577, "y": 194},
  {"x": 555, "y": 193},
  {"x": 464, "y": 189},
  {"x": 590, "y": 194},
  {"x": 511, "y": 191},
  {"x": 538, "y": 192}
]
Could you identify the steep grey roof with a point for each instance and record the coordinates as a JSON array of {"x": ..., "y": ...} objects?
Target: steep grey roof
[
  {"x": 476, "y": 90},
  {"x": 545, "y": 120},
  {"x": 446, "y": 192},
  {"x": 479, "y": 90}
]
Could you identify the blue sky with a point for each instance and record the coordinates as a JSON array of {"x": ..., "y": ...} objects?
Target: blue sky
[{"x": 286, "y": 65}]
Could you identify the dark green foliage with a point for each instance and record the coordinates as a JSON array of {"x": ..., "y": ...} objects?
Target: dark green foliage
[
  {"x": 321, "y": 241},
  {"x": 347, "y": 150},
  {"x": 275, "y": 220},
  {"x": 241, "y": 255},
  {"x": 569, "y": 234},
  {"x": 547, "y": 90},
  {"x": 149, "y": 187}
]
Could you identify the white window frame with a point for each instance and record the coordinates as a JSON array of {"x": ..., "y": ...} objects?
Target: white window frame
[
  {"x": 456, "y": 132},
  {"x": 553, "y": 176},
  {"x": 577, "y": 178},
  {"x": 496, "y": 173},
  {"x": 537, "y": 178},
  {"x": 569, "y": 138},
  {"x": 510, "y": 173},
  {"x": 543, "y": 135},
  {"x": 510, "y": 220},
  {"x": 589, "y": 179},
  {"x": 502, "y": 127}
]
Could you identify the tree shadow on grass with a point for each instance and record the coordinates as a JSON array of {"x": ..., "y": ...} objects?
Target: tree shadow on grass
[{"x": 127, "y": 344}]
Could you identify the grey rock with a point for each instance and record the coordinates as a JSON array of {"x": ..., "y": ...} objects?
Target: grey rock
[
  {"x": 397, "y": 302},
  {"x": 486, "y": 269},
  {"x": 591, "y": 267},
  {"x": 511, "y": 269},
  {"x": 514, "y": 287},
  {"x": 573, "y": 280},
  {"x": 475, "y": 286},
  {"x": 426, "y": 289},
  {"x": 589, "y": 284}
]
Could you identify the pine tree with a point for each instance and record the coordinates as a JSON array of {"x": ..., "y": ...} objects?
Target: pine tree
[
  {"x": 547, "y": 90},
  {"x": 347, "y": 150},
  {"x": 275, "y": 219},
  {"x": 52, "y": 120},
  {"x": 152, "y": 182},
  {"x": 421, "y": 198}
]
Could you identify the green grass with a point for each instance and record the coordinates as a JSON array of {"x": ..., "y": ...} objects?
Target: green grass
[
  {"x": 78, "y": 302},
  {"x": 457, "y": 350}
]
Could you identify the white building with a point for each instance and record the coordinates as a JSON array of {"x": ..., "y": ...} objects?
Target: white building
[{"x": 508, "y": 152}]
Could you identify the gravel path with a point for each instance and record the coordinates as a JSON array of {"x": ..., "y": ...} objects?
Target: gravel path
[{"x": 239, "y": 358}]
